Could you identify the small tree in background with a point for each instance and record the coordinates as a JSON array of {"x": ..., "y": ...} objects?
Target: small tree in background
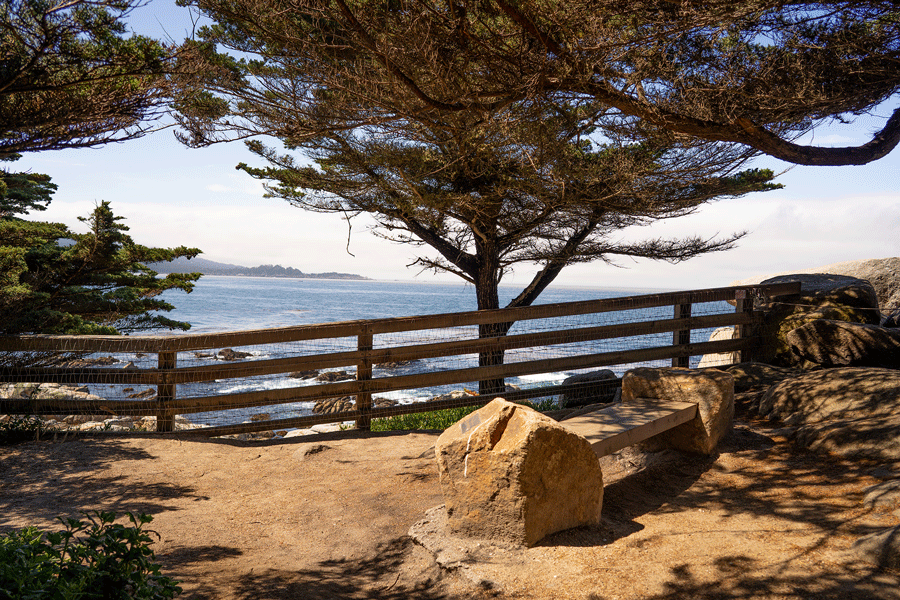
[{"x": 55, "y": 281}]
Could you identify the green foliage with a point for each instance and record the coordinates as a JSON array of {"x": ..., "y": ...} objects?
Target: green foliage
[
  {"x": 442, "y": 419},
  {"x": 72, "y": 76},
  {"x": 55, "y": 281},
  {"x": 98, "y": 559},
  {"x": 21, "y": 192},
  {"x": 22, "y": 428},
  {"x": 436, "y": 419},
  {"x": 760, "y": 73}
]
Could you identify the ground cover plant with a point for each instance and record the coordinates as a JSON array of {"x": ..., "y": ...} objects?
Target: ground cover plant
[
  {"x": 21, "y": 428},
  {"x": 442, "y": 419},
  {"x": 97, "y": 558}
]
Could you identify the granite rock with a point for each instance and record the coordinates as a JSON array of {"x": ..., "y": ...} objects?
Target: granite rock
[{"x": 511, "y": 474}]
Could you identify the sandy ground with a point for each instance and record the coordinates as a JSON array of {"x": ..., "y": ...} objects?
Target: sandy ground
[{"x": 327, "y": 517}]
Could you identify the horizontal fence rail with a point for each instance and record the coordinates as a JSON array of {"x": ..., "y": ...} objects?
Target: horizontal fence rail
[{"x": 187, "y": 377}]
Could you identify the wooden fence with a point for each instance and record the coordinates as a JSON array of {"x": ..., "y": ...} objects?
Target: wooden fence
[{"x": 167, "y": 375}]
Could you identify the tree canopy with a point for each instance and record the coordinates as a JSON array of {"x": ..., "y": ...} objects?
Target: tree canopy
[
  {"x": 759, "y": 73},
  {"x": 55, "y": 281},
  {"x": 70, "y": 77},
  {"x": 524, "y": 181},
  {"x": 518, "y": 181},
  {"x": 21, "y": 192},
  {"x": 485, "y": 197}
]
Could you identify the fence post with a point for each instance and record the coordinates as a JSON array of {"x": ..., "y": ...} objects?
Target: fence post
[
  {"x": 743, "y": 303},
  {"x": 682, "y": 337},
  {"x": 364, "y": 373},
  {"x": 165, "y": 391}
]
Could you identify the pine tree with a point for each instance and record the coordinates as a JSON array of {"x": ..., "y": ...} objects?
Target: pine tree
[{"x": 55, "y": 281}]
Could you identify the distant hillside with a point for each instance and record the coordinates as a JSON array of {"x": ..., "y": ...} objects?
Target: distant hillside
[{"x": 210, "y": 267}]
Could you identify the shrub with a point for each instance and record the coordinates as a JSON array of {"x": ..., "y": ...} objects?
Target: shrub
[
  {"x": 86, "y": 560},
  {"x": 442, "y": 419},
  {"x": 22, "y": 428}
]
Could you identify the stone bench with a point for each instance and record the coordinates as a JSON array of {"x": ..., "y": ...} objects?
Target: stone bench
[
  {"x": 510, "y": 473},
  {"x": 683, "y": 409}
]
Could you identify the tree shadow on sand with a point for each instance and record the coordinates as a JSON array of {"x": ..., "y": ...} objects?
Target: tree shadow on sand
[
  {"x": 380, "y": 576},
  {"x": 739, "y": 578},
  {"x": 45, "y": 479}
]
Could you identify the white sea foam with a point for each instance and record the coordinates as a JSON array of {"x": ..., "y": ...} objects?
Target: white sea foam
[
  {"x": 245, "y": 385},
  {"x": 542, "y": 377}
]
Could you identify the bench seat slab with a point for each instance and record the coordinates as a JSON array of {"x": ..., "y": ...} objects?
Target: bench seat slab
[{"x": 621, "y": 425}]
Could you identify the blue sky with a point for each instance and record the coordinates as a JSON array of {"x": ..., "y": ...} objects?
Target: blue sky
[{"x": 171, "y": 195}]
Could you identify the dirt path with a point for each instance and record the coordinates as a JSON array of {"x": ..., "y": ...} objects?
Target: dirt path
[{"x": 328, "y": 518}]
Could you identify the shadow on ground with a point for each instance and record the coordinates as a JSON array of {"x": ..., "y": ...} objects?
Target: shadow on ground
[
  {"x": 739, "y": 579},
  {"x": 378, "y": 577},
  {"x": 70, "y": 480}
]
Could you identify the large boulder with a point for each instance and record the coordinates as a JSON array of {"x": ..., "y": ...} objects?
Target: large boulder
[
  {"x": 882, "y": 273},
  {"x": 512, "y": 474},
  {"x": 712, "y": 390},
  {"x": 851, "y": 411},
  {"x": 822, "y": 296},
  {"x": 720, "y": 359},
  {"x": 596, "y": 387},
  {"x": 842, "y": 393},
  {"x": 841, "y": 344}
]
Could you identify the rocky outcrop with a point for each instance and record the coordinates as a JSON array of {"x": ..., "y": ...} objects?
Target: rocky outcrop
[
  {"x": 82, "y": 363},
  {"x": 841, "y": 344},
  {"x": 822, "y": 296},
  {"x": 397, "y": 364},
  {"x": 882, "y": 273},
  {"x": 47, "y": 391},
  {"x": 304, "y": 375},
  {"x": 383, "y": 402},
  {"x": 464, "y": 395},
  {"x": 334, "y": 405},
  {"x": 596, "y": 387},
  {"x": 230, "y": 354},
  {"x": 711, "y": 389},
  {"x": 509, "y": 473},
  {"x": 332, "y": 376},
  {"x": 339, "y": 405},
  {"x": 848, "y": 411}
]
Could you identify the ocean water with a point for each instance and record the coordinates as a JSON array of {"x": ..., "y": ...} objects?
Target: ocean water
[
  {"x": 237, "y": 303},
  {"x": 220, "y": 304}
]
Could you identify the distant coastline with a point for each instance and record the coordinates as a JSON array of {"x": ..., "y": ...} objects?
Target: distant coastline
[{"x": 210, "y": 267}]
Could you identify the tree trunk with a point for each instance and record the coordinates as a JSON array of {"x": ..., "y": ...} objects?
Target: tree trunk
[{"x": 487, "y": 296}]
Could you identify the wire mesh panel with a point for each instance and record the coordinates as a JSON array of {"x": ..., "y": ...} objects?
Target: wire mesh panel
[{"x": 279, "y": 379}]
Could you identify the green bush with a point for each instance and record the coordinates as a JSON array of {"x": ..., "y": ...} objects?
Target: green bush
[
  {"x": 442, "y": 419},
  {"x": 98, "y": 559},
  {"x": 23, "y": 428}
]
